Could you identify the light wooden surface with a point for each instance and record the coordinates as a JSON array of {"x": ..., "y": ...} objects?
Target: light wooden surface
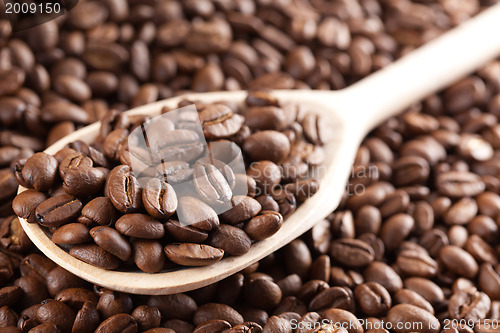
[{"x": 353, "y": 111}]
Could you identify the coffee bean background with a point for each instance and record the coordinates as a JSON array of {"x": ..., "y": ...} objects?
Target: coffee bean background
[{"x": 426, "y": 225}]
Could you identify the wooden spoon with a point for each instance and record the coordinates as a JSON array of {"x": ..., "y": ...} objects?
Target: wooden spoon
[{"x": 353, "y": 111}]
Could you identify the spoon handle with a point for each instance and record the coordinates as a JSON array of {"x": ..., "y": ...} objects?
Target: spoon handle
[{"x": 425, "y": 70}]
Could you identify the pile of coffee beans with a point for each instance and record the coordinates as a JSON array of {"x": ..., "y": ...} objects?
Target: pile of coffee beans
[
  {"x": 91, "y": 198},
  {"x": 116, "y": 54},
  {"x": 415, "y": 239}
]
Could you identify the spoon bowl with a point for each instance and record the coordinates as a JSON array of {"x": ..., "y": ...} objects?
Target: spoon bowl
[{"x": 352, "y": 111}]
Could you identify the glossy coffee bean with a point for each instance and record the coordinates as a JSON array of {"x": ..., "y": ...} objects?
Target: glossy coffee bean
[
  {"x": 58, "y": 210},
  {"x": 188, "y": 254}
]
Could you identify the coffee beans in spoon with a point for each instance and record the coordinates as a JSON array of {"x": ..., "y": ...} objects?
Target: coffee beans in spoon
[{"x": 188, "y": 201}]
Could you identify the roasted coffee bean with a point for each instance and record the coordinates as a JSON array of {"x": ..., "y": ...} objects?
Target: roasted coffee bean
[
  {"x": 298, "y": 258},
  {"x": 146, "y": 317},
  {"x": 40, "y": 171},
  {"x": 489, "y": 281},
  {"x": 98, "y": 211},
  {"x": 87, "y": 318},
  {"x": 264, "y": 225},
  {"x": 267, "y": 145},
  {"x": 337, "y": 297},
  {"x": 213, "y": 311},
  {"x": 140, "y": 226},
  {"x": 112, "y": 302},
  {"x": 266, "y": 175},
  {"x": 270, "y": 292},
  {"x": 244, "y": 209},
  {"x": 373, "y": 298},
  {"x": 384, "y": 275},
  {"x": 215, "y": 325},
  {"x": 426, "y": 288},
  {"x": 56, "y": 313},
  {"x": 122, "y": 188},
  {"x": 84, "y": 182},
  {"x": 194, "y": 212},
  {"x": 185, "y": 233},
  {"x": 73, "y": 160},
  {"x": 469, "y": 305},
  {"x": 458, "y": 261},
  {"x": 12, "y": 235},
  {"x": 344, "y": 317},
  {"x": 159, "y": 199},
  {"x": 406, "y": 296},
  {"x": 58, "y": 210},
  {"x": 118, "y": 323},
  {"x": 94, "y": 255},
  {"x": 413, "y": 314},
  {"x": 148, "y": 255},
  {"x": 232, "y": 240},
  {"x": 351, "y": 252},
  {"x": 456, "y": 184},
  {"x": 395, "y": 230},
  {"x": 188, "y": 254},
  {"x": 112, "y": 241},
  {"x": 219, "y": 121},
  {"x": 211, "y": 185},
  {"x": 76, "y": 297},
  {"x": 72, "y": 233},
  {"x": 415, "y": 263}
]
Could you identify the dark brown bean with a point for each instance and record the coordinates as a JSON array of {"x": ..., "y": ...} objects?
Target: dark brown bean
[{"x": 188, "y": 254}]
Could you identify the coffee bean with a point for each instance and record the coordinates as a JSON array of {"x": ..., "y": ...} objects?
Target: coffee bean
[
  {"x": 219, "y": 121},
  {"x": 244, "y": 209},
  {"x": 395, "y": 230},
  {"x": 469, "y": 305},
  {"x": 373, "y": 298},
  {"x": 58, "y": 210},
  {"x": 232, "y": 240},
  {"x": 194, "y": 212},
  {"x": 344, "y": 317},
  {"x": 112, "y": 303},
  {"x": 213, "y": 311},
  {"x": 140, "y": 226},
  {"x": 122, "y": 188},
  {"x": 25, "y": 203},
  {"x": 40, "y": 171},
  {"x": 415, "y": 263},
  {"x": 74, "y": 160},
  {"x": 351, "y": 252},
  {"x": 264, "y": 225},
  {"x": 384, "y": 275},
  {"x": 94, "y": 255},
  {"x": 72, "y": 233},
  {"x": 270, "y": 293},
  {"x": 426, "y": 288},
  {"x": 188, "y": 254},
  {"x": 406, "y": 296},
  {"x": 179, "y": 306},
  {"x": 159, "y": 199},
  {"x": 110, "y": 240},
  {"x": 413, "y": 314},
  {"x": 84, "y": 181},
  {"x": 146, "y": 317},
  {"x": 98, "y": 211},
  {"x": 56, "y": 313},
  {"x": 118, "y": 323},
  {"x": 185, "y": 233},
  {"x": 211, "y": 184},
  {"x": 87, "y": 318},
  {"x": 337, "y": 297},
  {"x": 456, "y": 184},
  {"x": 298, "y": 258},
  {"x": 215, "y": 325},
  {"x": 458, "y": 261},
  {"x": 148, "y": 255},
  {"x": 267, "y": 145}
]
